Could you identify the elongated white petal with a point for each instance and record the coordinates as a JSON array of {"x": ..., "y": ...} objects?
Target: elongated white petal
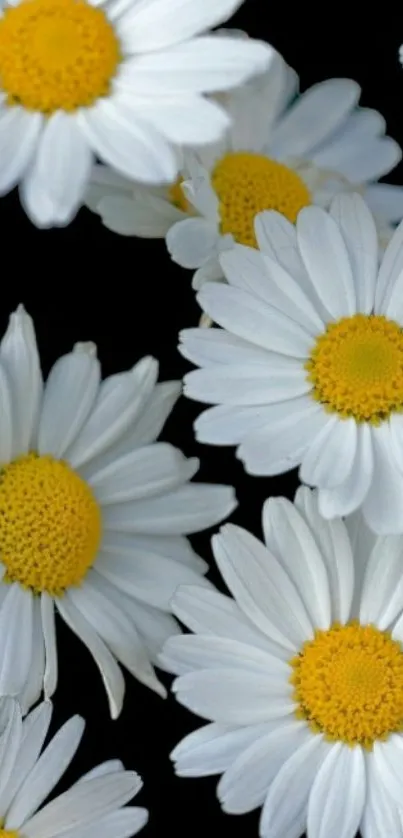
[
  {"x": 20, "y": 360},
  {"x": 337, "y": 798}
]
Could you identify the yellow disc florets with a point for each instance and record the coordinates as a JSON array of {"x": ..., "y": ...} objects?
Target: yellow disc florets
[
  {"x": 50, "y": 524},
  {"x": 348, "y": 684},
  {"x": 56, "y": 54},
  {"x": 356, "y": 368},
  {"x": 246, "y": 184}
]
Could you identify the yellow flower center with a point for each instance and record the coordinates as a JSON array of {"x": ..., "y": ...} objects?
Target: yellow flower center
[
  {"x": 356, "y": 368},
  {"x": 177, "y": 196},
  {"x": 246, "y": 184},
  {"x": 8, "y": 833},
  {"x": 50, "y": 524},
  {"x": 348, "y": 684},
  {"x": 56, "y": 54}
]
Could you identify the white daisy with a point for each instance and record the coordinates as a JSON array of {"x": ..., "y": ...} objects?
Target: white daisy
[
  {"x": 92, "y": 806},
  {"x": 308, "y": 367},
  {"x": 283, "y": 152},
  {"x": 93, "y": 515},
  {"x": 117, "y": 79},
  {"x": 301, "y": 675}
]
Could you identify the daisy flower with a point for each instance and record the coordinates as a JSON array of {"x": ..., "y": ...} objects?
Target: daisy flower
[
  {"x": 300, "y": 675},
  {"x": 308, "y": 367},
  {"x": 284, "y": 151},
  {"x": 92, "y": 806},
  {"x": 93, "y": 515},
  {"x": 115, "y": 79}
]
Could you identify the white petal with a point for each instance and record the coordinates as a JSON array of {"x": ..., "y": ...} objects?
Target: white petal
[
  {"x": 111, "y": 675},
  {"x": 204, "y": 64},
  {"x": 199, "y": 189},
  {"x": 247, "y": 317},
  {"x": 16, "y": 626},
  {"x": 373, "y": 159},
  {"x": 349, "y": 495},
  {"x": 146, "y": 576},
  {"x": 213, "y": 748},
  {"x": 385, "y": 200},
  {"x": 121, "y": 398},
  {"x": 261, "y": 587},
  {"x": 136, "y": 215},
  {"x": 192, "y": 242},
  {"x": 45, "y": 773},
  {"x": 115, "y": 628},
  {"x": 154, "y": 627},
  {"x": 69, "y": 396},
  {"x": 280, "y": 444},
  {"x": 326, "y": 259},
  {"x": 383, "y": 504},
  {"x": 34, "y": 731},
  {"x": 337, "y": 798},
  {"x": 247, "y": 384},
  {"x": 360, "y": 125},
  {"x": 60, "y": 171},
  {"x": 83, "y": 803},
  {"x": 229, "y": 425},
  {"x": 10, "y": 742},
  {"x": 121, "y": 824},
  {"x": 362, "y": 541},
  {"x": 6, "y": 419},
  {"x": 382, "y": 591},
  {"x": 185, "y": 653},
  {"x": 225, "y": 696},
  {"x": 110, "y": 766},
  {"x": 381, "y": 815},
  {"x": 285, "y": 809},
  {"x": 322, "y": 464},
  {"x": 245, "y": 783},
  {"x": 314, "y": 117},
  {"x": 334, "y": 544},
  {"x": 186, "y": 510},
  {"x": 177, "y": 20},
  {"x": 188, "y": 119},
  {"x": 208, "y": 347},
  {"x": 176, "y": 547},
  {"x": 20, "y": 359},
  {"x": 289, "y": 539},
  {"x": 361, "y": 239},
  {"x": 388, "y": 758},
  {"x": 34, "y": 685},
  {"x": 394, "y": 309},
  {"x": 206, "y": 611},
  {"x": 135, "y": 149},
  {"x": 19, "y": 136},
  {"x": 151, "y": 470},
  {"x": 146, "y": 426},
  {"x": 49, "y": 634},
  {"x": 390, "y": 270},
  {"x": 262, "y": 276},
  {"x": 277, "y": 239}
]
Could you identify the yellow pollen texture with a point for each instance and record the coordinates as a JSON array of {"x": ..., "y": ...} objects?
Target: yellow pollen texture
[
  {"x": 50, "y": 524},
  {"x": 7, "y": 833},
  {"x": 56, "y": 54},
  {"x": 356, "y": 368},
  {"x": 177, "y": 197},
  {"x": 247, "y": 183},
  {"x": 348, "y": 684}
]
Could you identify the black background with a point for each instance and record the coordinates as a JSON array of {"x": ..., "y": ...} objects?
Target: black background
[{"x": 85, "y": 283}]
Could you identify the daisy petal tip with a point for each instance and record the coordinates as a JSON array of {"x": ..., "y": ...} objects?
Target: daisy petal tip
[{"x": 86, "y": 347}]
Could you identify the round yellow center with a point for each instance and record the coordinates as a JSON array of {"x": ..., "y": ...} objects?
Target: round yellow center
[
  {"x": 356, "y": 368},
  {"x": 348, "y": 684},
  {"x": 246, "y": 184},
  {"x": 50, "y": 524},
  {"x": 177, "y": 196},
  {"x": 56, "y": 54}
]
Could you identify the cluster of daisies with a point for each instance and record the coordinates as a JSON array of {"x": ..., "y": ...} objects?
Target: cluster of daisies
[{"x": 164, "y": 128}]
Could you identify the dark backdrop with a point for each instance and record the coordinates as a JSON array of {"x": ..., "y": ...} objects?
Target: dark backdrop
[{"x": 86, "y": 283}]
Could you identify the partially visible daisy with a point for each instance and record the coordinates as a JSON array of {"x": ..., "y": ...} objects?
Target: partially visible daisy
[
  {"x": 121, "y": 80},
  {"x": 300, "y": 675},
  {"x": 93, "y": 515},
  {"x": 307, "y": 369},
  {"x": 284, "y": 151},
  {"x": 95, "y": 805}
]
